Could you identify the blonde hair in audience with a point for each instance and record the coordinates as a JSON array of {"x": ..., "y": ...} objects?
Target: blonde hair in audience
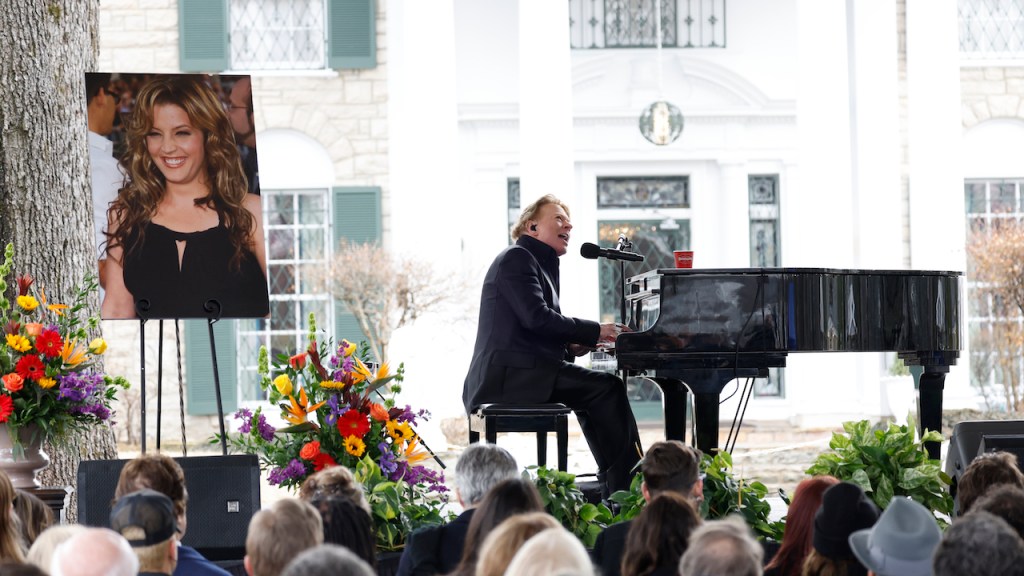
[
  {"x": 34, "y": 515},
  {"x": 277, "y": 534},
  {"x": 554, "y": 551},
  {"x": 41, "y": 552},
  {"x": 502, "y": 543}
]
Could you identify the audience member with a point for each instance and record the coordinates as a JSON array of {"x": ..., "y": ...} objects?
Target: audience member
[
  {"x": 278, "y": 533},
  {"x": 19, "y": 569},
  {"x": 437, "y": 550},
  {"x": 668, "y": 466},
  {"x": 554, "y": 551},
  {"x": 11, "y": 548},
  {"x": 659, "y": 536},
  {"x": 979, "y": 544},
  {"x": 348, "y": 525},
  {"x": 722, "y": 548},
  {"x": 796, "y": 540},
  {"x": 34, "y": 514},
  {"x": 1005, "y": 501},
  {"x": 984, "y": 472},
  {"x": 901, "y": 543},
  {"x": 240, "y": 112},
  {"x": 94, "y": 552},
  {"x": 504, "y": 500},
  {"x": 162, "y": 473},
  {"x": 334, "y": 481},
  {"x": 844, "y": 510},
  {"x": 41, "y": 552},
  {"x": 328, "y": 560},
  {"x": 507, "y": 538},
  {"x": 146, "y": 519}
]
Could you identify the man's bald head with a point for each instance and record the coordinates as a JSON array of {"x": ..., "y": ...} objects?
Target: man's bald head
[{"x": 95, "y": 552}]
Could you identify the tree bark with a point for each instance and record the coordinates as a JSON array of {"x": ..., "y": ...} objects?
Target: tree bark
[{"x": 45, "y": 198}]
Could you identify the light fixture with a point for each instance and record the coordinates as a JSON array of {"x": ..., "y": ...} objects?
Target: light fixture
[{"x": 661, "y": 122}]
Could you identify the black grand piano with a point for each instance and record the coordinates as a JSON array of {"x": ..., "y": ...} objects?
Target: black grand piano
[{"x": 697, "y": 329}]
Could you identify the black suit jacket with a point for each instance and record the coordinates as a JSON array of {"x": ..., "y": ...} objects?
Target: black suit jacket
[
  {"x": 608, "y": 548},
  {"x": 522, "y": 335},
  {"x": 435, "y": 550}
]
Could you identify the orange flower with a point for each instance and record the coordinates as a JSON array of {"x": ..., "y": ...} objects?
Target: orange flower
[
  {"x": 72, "y": 354},
  {"x": 57, "y": 309},
  {"x": 297, "y": 411},
  {"x": 378, "y": 412},
  {"x": 298, "y": 361},
  {"x": 310, "y": 450},
  {"x": 13, "y": 382},
  {"x": 33, "y": 329}
]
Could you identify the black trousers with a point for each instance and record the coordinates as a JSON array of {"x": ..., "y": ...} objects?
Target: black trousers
[{"x": 600, "y": 403}]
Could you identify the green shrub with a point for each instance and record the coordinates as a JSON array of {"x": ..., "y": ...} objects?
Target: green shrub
[
  {"x": 725, "y": 495},
  {"x": 888, "y": 463},
  {"x": 564, "y": 500}
]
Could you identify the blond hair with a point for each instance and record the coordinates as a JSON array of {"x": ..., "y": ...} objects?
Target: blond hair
[
  {"x": 531, "y": 212},
  {"x": 554, "y": 551},
  {"x": 502, "y": 543},
  {"x": 277, "y": 534}
]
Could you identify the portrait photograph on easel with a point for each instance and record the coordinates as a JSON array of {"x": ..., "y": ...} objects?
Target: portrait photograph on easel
[{"x": 179, "y": 223}]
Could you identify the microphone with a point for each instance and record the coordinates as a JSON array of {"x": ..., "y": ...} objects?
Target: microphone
[
  {"x": 592, "y": 251},
  {"x": 623, "y": 242}
]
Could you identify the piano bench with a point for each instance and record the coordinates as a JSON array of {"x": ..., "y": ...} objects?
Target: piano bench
[{"x": 539, "y": 418}]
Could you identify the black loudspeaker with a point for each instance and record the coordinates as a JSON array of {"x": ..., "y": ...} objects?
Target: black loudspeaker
[
  {"x": 976, "y": 437},
  {"x": 223, "y": 494}
]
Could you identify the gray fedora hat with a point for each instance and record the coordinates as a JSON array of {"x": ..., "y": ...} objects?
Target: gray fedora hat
[{"x": 901, "y": 543}]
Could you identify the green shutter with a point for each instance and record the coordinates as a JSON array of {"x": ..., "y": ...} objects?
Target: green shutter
[
  {"x": 351, "y": 34},
  {"x": 203, "y": 35},
  {"x": 202, "y": 397},
  {"x": 356, "y": 218}
]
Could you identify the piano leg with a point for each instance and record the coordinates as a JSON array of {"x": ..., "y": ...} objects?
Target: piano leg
[
  {"x": 929, "y": 407},
  {"x": 705, "y": 412},
  {"x": 674, "y": 398}
]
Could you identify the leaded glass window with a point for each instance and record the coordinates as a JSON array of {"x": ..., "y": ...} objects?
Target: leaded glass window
[
  {"x": 644, "y": 192},
  {"x": 513, "y": 204},
  {"x": 278, "y": 34},
  {"x": 991, "y": 29},
  {"x": 632, "y": 24},
  {"x": 764, "y": 251},
  {"x": 298, "y": 248}
]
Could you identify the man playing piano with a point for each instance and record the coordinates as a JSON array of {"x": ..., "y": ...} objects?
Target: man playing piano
[{"x": 525, "y": 347}]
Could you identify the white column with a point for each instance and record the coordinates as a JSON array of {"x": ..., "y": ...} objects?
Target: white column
[
  {"x": 875, "y": 135},
  {"x": 545, "y": 102}
]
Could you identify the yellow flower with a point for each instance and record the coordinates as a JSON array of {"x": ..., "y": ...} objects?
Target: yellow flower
[
  {"x": 283, "y": 384},
  {"x": 18, "y": 343},
  {"x": 46, "y": 383},
  {"x": 72, "y": 354},
  {"x": 347, "y": 348},
  {"x": 354, "y": 446},
  {"x": 98, "y": 346},
  {"x": 399, "y": 431},
  {"x": 360, "y": 372},
  {"x": 28, "y": 303},
  {"x": 332, "y": 385},
  {"x": 383, "y": 371}
]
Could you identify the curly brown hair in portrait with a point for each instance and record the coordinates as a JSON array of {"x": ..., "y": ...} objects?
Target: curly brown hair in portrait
[{"x": 137, "y": 201}]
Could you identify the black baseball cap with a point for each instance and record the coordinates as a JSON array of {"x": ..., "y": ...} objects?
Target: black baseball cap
[{"x": 144, "y": 518}]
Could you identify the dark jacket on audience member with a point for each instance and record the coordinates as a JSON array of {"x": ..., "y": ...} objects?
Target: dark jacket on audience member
[
  {"x": 192, "y": 563},
  {"x": 435, "y": 550},
  {"x": 607, "y": 552}
]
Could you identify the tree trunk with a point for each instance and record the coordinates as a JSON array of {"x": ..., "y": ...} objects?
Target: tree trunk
[{"x": 45, "y": 198}]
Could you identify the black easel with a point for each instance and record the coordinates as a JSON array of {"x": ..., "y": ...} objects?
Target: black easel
[{"x": 213, "y": 313}]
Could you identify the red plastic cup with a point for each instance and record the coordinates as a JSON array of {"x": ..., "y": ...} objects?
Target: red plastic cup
[{"x": 684, "y": 258}]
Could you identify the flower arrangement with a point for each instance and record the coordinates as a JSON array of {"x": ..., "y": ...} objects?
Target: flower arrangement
[
  {"x": 343, "y": 413},
  {"x": 48, "y": 364}
]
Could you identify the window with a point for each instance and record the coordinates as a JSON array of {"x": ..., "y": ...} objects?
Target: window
[
  {"x": 763, "y": 192},
  {"x": 298, "y": 235},
  {"x": 513, "y": 204},
  {"x": 991, "y": 29},
  {"x": 632, "y": 24},
  {"x": 993, "y": 324},
  {"x": 217, "y": 35}
]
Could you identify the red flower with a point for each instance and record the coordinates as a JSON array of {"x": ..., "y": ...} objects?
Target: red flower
[
  {"x": 6, "y": 407},
  {"x": 49, "y": 343},
  {"x": 30, "y": 367},
  {"x": 353, "y": 423},
  {"x": 24, "y": 282},
  {"x": 323, "y": 460},
  {"x": 310, "y": 450},
  {"x": 13, "y": 382},
  {"x": 298, "y": 361}
]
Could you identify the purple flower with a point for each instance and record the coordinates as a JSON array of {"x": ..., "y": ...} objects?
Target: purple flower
[
  {"x": 409, "y": 416},
  {"x": 295, "y": 470},
  {"x": 264, "y": 428},
  {"x": 78, "y": 386},
  {"x": 100, "y": 411},
  {"x": 387, "y": 459},
  {"x": 336, "y": 410},
  {"x": 245, "y": 415}
]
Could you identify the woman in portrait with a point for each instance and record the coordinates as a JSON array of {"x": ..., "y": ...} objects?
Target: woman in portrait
[{"x": 185, "y": 235}]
